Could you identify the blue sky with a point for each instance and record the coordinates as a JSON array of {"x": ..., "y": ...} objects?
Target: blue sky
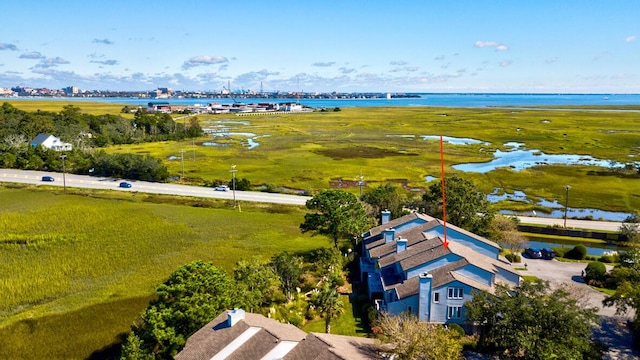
[{"x": 322, "y": 46}]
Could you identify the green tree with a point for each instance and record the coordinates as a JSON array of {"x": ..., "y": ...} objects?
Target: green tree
[
  {"x": 338, "y": 214},
  {"x": 329, "y": 304},
  {"x": 533, "y": 321},
  {"x": 193, "y": 295},
  {"x": 288, "y": 268},
  {"x": 257, "y": 283},
  {"x": 386, "y": 197},
  {"x": 504, "y": 231},
  {"x": 630, "y": 228},
  {"x": 467, "y": 207},
  {"x": 407, "y": 338}
]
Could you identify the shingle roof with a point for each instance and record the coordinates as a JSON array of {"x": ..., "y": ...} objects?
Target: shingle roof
[
  {"x": 217, "y": 334},
  {"x": 40, "y": 138},
  {"x": 415, "y": 250}
]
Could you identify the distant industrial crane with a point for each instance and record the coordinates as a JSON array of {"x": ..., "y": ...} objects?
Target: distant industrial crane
[{"x": 228, "y": 88}]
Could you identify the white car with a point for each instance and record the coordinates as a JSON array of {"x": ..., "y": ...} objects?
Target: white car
[{"x": 222, "y": 188}]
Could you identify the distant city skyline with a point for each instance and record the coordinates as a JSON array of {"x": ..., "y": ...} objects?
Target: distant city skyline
[{"x": 542, "y": 46}]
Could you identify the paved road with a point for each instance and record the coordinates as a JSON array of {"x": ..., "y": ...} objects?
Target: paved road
[
  {"x": 83, "y": 181},
  {"x": 91, "y": 182}
]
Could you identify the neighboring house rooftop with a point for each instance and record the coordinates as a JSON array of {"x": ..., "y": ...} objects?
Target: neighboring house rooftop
[{"x": 239, "y": 335}]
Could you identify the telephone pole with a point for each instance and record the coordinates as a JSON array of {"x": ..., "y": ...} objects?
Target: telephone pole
[
  {"x": 233, "y": 183},
  {"x": 566, "y": 204},
  {"x": 182, "y": 153},
  {"x": 64, "y": 170}
]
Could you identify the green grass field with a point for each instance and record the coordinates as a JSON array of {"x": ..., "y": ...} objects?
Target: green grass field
[
  {"x": 78, "y": 268},
  {"x": 313, "y": 151}
]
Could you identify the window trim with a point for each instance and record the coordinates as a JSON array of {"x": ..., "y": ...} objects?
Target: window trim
[
  {"x": 436, "y": 297},
  {"x": 454, "y": 312},
  {"x": 455, "y": 293}
]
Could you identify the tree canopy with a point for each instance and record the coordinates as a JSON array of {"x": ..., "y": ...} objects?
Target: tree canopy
[
  {"x": 338, "y": 214},
  {"x": 534, "y": 322},
  {"x": 386, "y": 197},
  {"x": 467, "y": 207},
  {"x": 407, "y": 338},
  {"x": 193, "y": 295}
]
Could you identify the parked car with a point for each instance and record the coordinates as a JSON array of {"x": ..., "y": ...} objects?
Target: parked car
[
  {"x": 48, "y": 179},
  {"x": 125, "y": 184},
  {"x": 533, "y": 253},
  {"x": 548, "y": 254},
  {"x": 222, "y": 188}
]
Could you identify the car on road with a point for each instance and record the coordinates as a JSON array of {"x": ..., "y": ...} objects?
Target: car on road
[
  {"x": 222, "y": 188},
  {"x": 48, "y": 179},
  {"x": 548, "y": 254},
  {"x": 533, "y": 253},
  {"x": 125, "y": 185}
]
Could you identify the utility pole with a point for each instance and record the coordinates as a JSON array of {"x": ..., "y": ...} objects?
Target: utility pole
[
  {"x": 361, "y": 183},
  {"x": 233, "y": 183},
  {"x": 566, "y": 204},
  {"x": 182, "y": 153},
  {"x": 64, "y": 170}
]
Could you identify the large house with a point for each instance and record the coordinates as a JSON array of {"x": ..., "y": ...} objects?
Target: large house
[
  {"x": 408, "y": 269},
  {"x": 50, "y": 142},
  {"x": 238, "y": 335}
]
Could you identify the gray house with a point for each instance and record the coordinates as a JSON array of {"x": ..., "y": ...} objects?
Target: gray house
[
  {"x": 407, "y": 268},
  {"x": 235, "y": 334}
]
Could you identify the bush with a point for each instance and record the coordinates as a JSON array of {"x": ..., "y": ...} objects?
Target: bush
[
  {"x": 610, "y": 257},
  {"x": 579, "y": 252},
  {"x": 560, "y": 251},
  {"x": 595, "y": 273},
  {"x": 457, "y": 329},
  {"x": 513, "y": 258}
]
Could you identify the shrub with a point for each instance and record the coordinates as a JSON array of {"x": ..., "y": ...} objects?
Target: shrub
[
  {"x": 610, "y": 257},
  {"x": 595, "y": 272},
  {"x": 513, "y": 258},
  {"x": 457, "y": 329},
  {"x": 560, "y": 251},
  {"x": 579, "y": 252}
]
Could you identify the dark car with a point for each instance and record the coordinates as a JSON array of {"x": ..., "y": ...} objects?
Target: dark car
[
  {"x": 48, "y": 179},
  {"x": 548, "y": 254},
  {"x": 534, "y": 253},
  {"x": 125, "y": 184}
]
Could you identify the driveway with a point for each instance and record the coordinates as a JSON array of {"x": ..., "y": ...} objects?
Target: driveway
[{"x": 613, "y": 330}]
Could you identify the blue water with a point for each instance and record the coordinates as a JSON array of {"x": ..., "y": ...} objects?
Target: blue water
[{"x": 445, "y": 100}]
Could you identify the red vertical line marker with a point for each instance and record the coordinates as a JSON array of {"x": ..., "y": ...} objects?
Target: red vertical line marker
[{"x": 444, "y": 203}]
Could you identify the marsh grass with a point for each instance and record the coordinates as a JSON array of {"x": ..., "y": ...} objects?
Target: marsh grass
[{"x": 66, "y": 255}]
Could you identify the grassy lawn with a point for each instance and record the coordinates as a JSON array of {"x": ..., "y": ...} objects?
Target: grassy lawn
[
  {"x": 69, "y": 258},
  {"x": 348, "y": 323}
]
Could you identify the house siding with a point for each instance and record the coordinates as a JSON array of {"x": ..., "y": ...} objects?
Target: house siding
[
  {"x": 508, "y": 276},
  {"x": 477, "y": 274},
  {"x": 403, "y": 305},
  {"x": 439, "y": 310}
]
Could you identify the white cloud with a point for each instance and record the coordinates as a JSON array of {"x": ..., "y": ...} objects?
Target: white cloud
[
  {"x": 345, "y": 70},
  {"x": 398, "y": 63},
  {"x": 204, "y": 60},
  {"x": 439, "y": 57},
  {"x": 324, "y": 64},
  {"x": 551, "y": 60},
  {"x": 491, "y": 44},
  {"x": 50, "y": 62},
  {"x": 102, "y": 41},
  {"x": 32, "y": 55},
  {"x": 4, "y": 46},
  {"x": 105, "y": 62},
  {"x": 631, "y": 38},
  {"x": 505, "y": 63}
]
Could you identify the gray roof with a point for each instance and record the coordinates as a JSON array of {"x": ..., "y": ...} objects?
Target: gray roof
[
  {"x": 39, "y": 139},
  {"x": 217, "y": 334}
]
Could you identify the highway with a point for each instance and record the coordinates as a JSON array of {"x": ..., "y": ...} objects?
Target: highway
[{"x": 93, "y": 182}]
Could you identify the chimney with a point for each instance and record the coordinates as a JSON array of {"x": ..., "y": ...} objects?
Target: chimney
[
  {"x": 386, "y": 216},
  {"x": 234, "y": 316},
  {"x": 424, "y": 297},
  {"x": 389, "y": 234},
  {"x": 401, "y": 245}
]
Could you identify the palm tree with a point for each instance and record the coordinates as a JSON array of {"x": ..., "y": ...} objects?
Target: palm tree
[{"x": 329, "y": 304}]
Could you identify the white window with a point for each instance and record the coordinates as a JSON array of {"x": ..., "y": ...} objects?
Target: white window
[
  {"x": 455, "y": 293},
  {"x": 436, "y": 297},
  {"x": 454, "y": 312}
]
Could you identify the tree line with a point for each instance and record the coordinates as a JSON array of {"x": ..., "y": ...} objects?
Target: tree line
[{"x": 86, "y": 132}]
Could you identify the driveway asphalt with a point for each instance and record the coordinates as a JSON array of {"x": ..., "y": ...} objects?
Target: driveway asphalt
[{"x": 613, "y": 330}]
